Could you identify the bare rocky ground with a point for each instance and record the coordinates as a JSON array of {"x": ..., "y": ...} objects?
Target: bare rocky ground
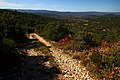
[
  {"x": 72, "y": 69},
  {"x": 56, "y": 65},
  {"x": 35, "y": 66}
]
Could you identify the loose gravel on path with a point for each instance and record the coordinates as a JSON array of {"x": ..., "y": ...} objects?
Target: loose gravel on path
[{"x": 72, "y": 69}]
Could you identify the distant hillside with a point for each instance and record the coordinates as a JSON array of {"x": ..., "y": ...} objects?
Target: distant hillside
[
  {"x": 98, "y": 38},
  {"x": 67, "y": 14}
]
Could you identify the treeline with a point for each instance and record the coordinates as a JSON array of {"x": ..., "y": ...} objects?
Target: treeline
[{"x": 87, "y": 32}]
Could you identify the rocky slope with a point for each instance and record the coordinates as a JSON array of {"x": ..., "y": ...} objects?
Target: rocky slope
[{"x": 72, "y": 69}]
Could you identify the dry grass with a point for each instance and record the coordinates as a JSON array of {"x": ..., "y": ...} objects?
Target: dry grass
[
  {"x": 105, "y": 48},
  {"x": 78, "y": 55}
]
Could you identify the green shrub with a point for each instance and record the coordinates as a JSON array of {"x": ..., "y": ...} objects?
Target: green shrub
[
  {"x": 59, "y": 33},
  {"x": 89, "y": 41},
  {"x": 9, "y": 43},
  {"x": 96, "y": 58},
  {"x": 8, "y": 55},
  {"x": 111, "y": 60},
  {"x": 84, "y": 41}
]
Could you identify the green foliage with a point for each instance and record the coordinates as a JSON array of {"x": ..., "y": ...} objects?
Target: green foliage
[
  {"x": 96, "y": 58},
  {"x": 106, "y": 63},
  {"x": 89, "y": 41},
  {"x": 87, "y": 33},
  {"x": 84, "y": 41},
  {"x": 107, "y": 59},
  {"x": 111, "y": 60},
  {"x": 8, "y": 43},
  {"x": 8, "y": 55},
  {"x": 13, "y": 27},
  {"x": 59, "y": 33}
]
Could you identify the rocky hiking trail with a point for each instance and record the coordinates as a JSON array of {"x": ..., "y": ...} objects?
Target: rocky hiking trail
[
  {"x": 54, "y": 65},
  {"x": 34, "y": 66},
  {"x": 72, "y": 69}
]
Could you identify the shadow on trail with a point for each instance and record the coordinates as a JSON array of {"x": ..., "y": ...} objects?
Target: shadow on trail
[
  {"x": 32, "y": 67},
  {"x": 29, "y": 44}
]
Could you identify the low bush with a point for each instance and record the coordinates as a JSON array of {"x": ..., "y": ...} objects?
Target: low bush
[
  {"x": 111, "y": 60},
  {"x": 58, "y": 33},
  {"x": 8, "y": 55},
  {"x": 96, "y": 58},
  {"x": 106, "y": 63}
]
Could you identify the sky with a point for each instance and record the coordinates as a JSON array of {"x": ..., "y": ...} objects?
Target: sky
[{"x": 63, "y": 5}]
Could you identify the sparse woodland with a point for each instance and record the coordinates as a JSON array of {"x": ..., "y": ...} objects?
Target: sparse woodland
[{"x": 98, "y": 38}]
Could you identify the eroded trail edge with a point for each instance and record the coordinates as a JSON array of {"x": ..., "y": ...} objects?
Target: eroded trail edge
[{"x": 71, "y": 68}]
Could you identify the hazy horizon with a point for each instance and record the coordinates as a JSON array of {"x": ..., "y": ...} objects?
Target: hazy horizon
[{"x": 63, "y": 5}]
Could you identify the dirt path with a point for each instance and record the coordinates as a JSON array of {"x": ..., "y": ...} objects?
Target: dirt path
[
  {"x": 41, "y": 39},
  {"x": 71, "y": 68}
]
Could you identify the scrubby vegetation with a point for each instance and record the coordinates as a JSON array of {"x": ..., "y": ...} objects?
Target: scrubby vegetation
[
  {"x": 13, "y": 27},
  {"x": 97, "y": 37}
]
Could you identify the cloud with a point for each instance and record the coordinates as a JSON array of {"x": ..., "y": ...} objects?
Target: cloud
[{"x": 4, "y": 3}]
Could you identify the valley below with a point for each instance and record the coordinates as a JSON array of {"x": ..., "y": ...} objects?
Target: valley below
[{"x": 37, "y": 47}]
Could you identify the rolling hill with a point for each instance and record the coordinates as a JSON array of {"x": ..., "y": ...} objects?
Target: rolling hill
[{"x": 68, "y": 14}]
